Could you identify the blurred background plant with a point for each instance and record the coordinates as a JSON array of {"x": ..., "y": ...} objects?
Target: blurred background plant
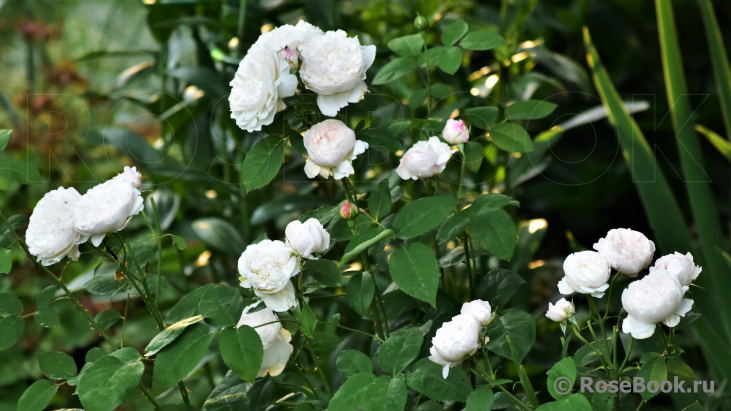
[{"x": 89, "y": 87}]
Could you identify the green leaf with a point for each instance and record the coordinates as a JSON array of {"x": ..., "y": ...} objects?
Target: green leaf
[
  {"x": 221, "y": 305},
  {"x": 454, "y": 226},
  {"x": 385, "y": 393},
  {"x": 104, "y": 285},
  {"x": 495, "y": 231},
  {"x": 6, "y": 237},
  {"x": 450, "y": 60},
  {"x": 441, "y": 91},
  {"x": 529, "y": 110},
  {"x": 407, "y": 46},
  {"x": 696, "y": 406},
  {"x": 416, "y": 271},
  {"x": 187, "y": 307},
  {"x": 350, "y": 396},
  {"x": 481, "y": 117},
  {"x": 379, "y": 201},
  {"x": 228, "y": 395},
  {"x": 169, "y": 335},
  {"x": 499, "y": 286},
  {"x": 324, "y": 271},
  {"x": 563, "y": 369},
  {"x": 107, "y": 318},
  {"x": 653, "y": 370},
  {"x": 6, "y": 261},
  {"x": 364, "y": 241},
  {"x": 520, "y": 326},
  {"x": 511, "y": 137},
  {"x": 46, "y": 296},
  {"x": 417, "y": 98},
  {"x": 722, "y": 145},
  {"x": 4, "y": 138},
  {"x": 474, "y": 154},
  {"x": 352, "y": 362},
  {"x": 574, "y": 402},
  {"x": 490, "y": 200},
  {"x": 38, "y": 396},
  {"x": 454, "y": 32},
  {"x": 107, "y": 382},
  {"x": 47, "y": 317},
  {"x": 10, "y": 304},
  {"x": 179, "y": 242},
  {"x": 178, "y": 359},
  {"x": 482, "y": 40},
  {"x": 360, "y": 292},
  {"x": 423, "y": 215},
  {"x": 242, "y": 351},
  {"x": 480, "y": 399},
  {"x": 219, "y": 234},
  {"x": 204, "y": 78},
  {"x": 94, "y": 354},
  {"x": 57, "y": 365},
  {"x": 394, "y": 69},
  {"x": 399, "y": 350},
  {"x": 262, "y": 163},
  {"x": 20, "y": 171},
  {"x": 426, "y": 378},
  {"x": 306, "y": 319},
  {"x": 11, "y": 329},
  {"x": 381, "y": 139}
]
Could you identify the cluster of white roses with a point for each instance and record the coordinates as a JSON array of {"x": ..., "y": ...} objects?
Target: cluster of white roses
[
  {"x": 656, "y": 298},
  {"x": 63, "y": 218},
  {"x": 459, "y": 338}
]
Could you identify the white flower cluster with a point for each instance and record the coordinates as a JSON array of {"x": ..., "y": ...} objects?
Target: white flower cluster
[
  {"x": 63, "y": 218},
  {"x": 459, "y": 338},
  {"x": 267, "y": 266}
]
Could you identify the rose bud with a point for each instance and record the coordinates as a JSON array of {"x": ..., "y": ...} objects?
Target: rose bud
[
  {"x": 348, "y": 211},
  {"x": 562, "y": 311},
  {"x": 456, "y": 132}
]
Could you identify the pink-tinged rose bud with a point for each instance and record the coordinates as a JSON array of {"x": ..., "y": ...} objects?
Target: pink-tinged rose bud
[
  {"x": 456, "y": 132},
  {"x": 292, "y": 57},
  {"x": 348, "y": 211},
  {"x": 562, "y": 311}
]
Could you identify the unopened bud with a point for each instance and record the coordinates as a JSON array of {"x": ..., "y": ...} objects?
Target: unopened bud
[
  {"x": 348, "y": 211},
  {"x": 421, "y": 23}
]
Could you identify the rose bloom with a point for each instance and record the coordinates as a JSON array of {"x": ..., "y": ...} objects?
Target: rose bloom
[
  {"x": 479, "y": 309},
  {"x": 274, "y": 338},
  {"x": 455, "y": 341},
  {"x": 681, "y": 266},
  {"x": 130, "y": 175},
  {"x": 267, "y": 267},
  {"x": 424, "y": 159},
  {"x": 562, "y": 311},
  {"x": 107, "y": 208},
  {"x": 331, "y": 148},
  {"x": 307, "y": 238},
  {"x": 627, "y": 251},
  {"x": 586, "y": 272},
  {"x": 285, "y": 40},
  {"x": 658, "y": 297},
  {"x": 51, "y": 235},
  {"x": 456, "y": 132},
  {"x": 334, "y": 66},
  {"x": 261, "y": 82}
]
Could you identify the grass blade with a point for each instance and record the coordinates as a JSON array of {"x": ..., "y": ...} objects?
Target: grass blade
[
  {"x": 721, "y": 144},
  {"x": 721, "y": 69}
]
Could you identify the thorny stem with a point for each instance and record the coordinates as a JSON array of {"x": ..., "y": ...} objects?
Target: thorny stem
[
  {"x": 319, "y": 369},
  {"x": 470, "y": 270},
  {"x": 157, "y": 234}
]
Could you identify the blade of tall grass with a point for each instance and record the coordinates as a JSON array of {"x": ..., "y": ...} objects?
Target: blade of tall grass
[
  {"x": 667, "y": 222},
  {"x": 721, "y": 144},
  {"x": 721, "y": 69},
  {"x": 697, "y": 181}
]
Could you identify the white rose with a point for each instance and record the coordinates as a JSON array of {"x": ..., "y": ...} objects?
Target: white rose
[
  {"x": 456, "y": 132},
  {"x": 331, "y": 148},
  {"x": 656, "y": 298},
  {"x": 424, "y": 159},
  {"x": 627, "y": 251},
  {"x": 285, "y": 40},
  {"x": 586, "y": 272},
  {"x": 268, "y": 333},
  {"x": 562, "y": 311},
  {"x": 455, "y": 341},
  {"x": 261, "y": 82},
  {"x": 266, "y": 267},
  {"x": 334, "y": 66},
  {"x": 277, "y": 355},
  {"x": 681, "y": 266},
  {"x": 479, "y": 309},
  {"x": 51, "y": 235},
  {"x": 307, "y": 238},
  {"x": 130, "y": 175},
  {"x": 107, "y": 208}
]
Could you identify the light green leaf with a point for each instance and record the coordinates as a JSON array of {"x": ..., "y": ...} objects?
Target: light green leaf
[
  {"x": 520, "y": 326},
  {"x": 454, "y": 32},
  {"x": 423, "y": 215},
  {"x": 385, "y": 393},
  {"x": 179, "y": 242},
  {"x": 407, "y": 46},
  {"x": 4, "y": 138},
  {"x": 178, "y": 359},
  {"x": 529, "y": 110},
  {"x": 262, "y": 163},
  {"x": 221, "y": 305},
  {"x": 416, "y": 271},
  {"x": 495, "y": 231},
  {"x": 324, "y": 271},
  {"x": 563, "y": 369},
  {"x": 719, "y": 59},
  {"x": 350, "y": 396},
  {"x": 360, "y": 292},
  {"x": 6, "y": 261},
  {"x": 399, "y": 350},
  {"x": 481, "y": 117},
  {"x": 107, "y": 318},
  {"x": 57, "y": 365},
  {"x": 47, "y": 317},
  {"x": 653, "y": 370},
  {"x": 511, "y": 137},
  {"x": 352, "y": 362},
  {"x": 395, "y": 69},
  {"x": 722, "y": 145},
  {"x": 38, "y": 396},
  {"x": 499, "y": 286},
  {"x": 450, "y": 60},
  {"x": 242, "y": 351},
  {"x": 169, "y": 335},
  {"x": 379, "y": 201},
  {"x": 220, "y": 234},
  {"x": 107, "y": 382},
  {"x": 482, "y": 40},
  {"x": 480, "y": 399},
  {"x": 426, "y": 378},
  {"x": 10, "y": 304}
]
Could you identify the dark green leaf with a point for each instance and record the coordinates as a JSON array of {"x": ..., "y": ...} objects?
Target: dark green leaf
[
  {"x": 107, "y": 318},
  {"x": 481, "y": 117},
  {"x": 228, "y": 395},
  {"x": 351, "y": 394},
  {"x": 10, "y": 304},
  {"x": 563, "y": 369},
  {"x": 46, "y": 296},
  {"x": 262, "y": 163},
  {"x": 187, "y": 307},
  {"x": 47, "y": 317},
  {"x": 454, "y": 226},
  {"x": 474, "y": 154},
  {"x": 242, "y": 351},
  {"x": 450, "y": 60},
  {"x": 511, "y": 137},
  {"x": 482, "y": 40},
  {"x": 179, "y": 242},
  {"x": 495, "y": 231},
  {"x": 423, "y": 215},
  {"x": 454, "y": 32},
  {"x": 529, "y": 110},
  {"x": 520, "y": 326},
  {"x": 385, "y": 393},
  {"x": 204, "y": 78},
  {"x": 407, "y": 46},
  {"x": 6, "y": 260},
  {"x": 107, "y": 382},
  {"x": 38, "y": 396},
  {"x": 416, "y": 271},
  {"x": 499, "y": 286},
  {"x": 696, "y": 406},
  {"x": 219, "y": 234},
  {"x": 221, "y": 305},
  {"x": 94, "y": 354},
  {"x": 653, "y": 370},
  {"x": 440, "y": 91},
  {"x": 360, "y": 292},
  {"x": 20, "y": 171},
  {"x": 324, "y": 271},
  {"x": 306, "y": 319},
  {"x": 6, "y": 237},
  {"x": 480, "y": 399},
  {"x": 57, "y": 365},
  {"x": 426, "y": 378},
  {"x": 11, "y": 329},
  {"x": 104, "y": 285},
  {"x": 399, "y": 350},
  {"x": 379, "y": 201},
  {"x": 574, "y": 402},
  {"x": 417, "y": 98},
  {"x": 352, "y": 362},
  {"x": 178, "y": 359},
  {"x": 169, "y": 335},
  {"x": 395, "y": 69}
]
